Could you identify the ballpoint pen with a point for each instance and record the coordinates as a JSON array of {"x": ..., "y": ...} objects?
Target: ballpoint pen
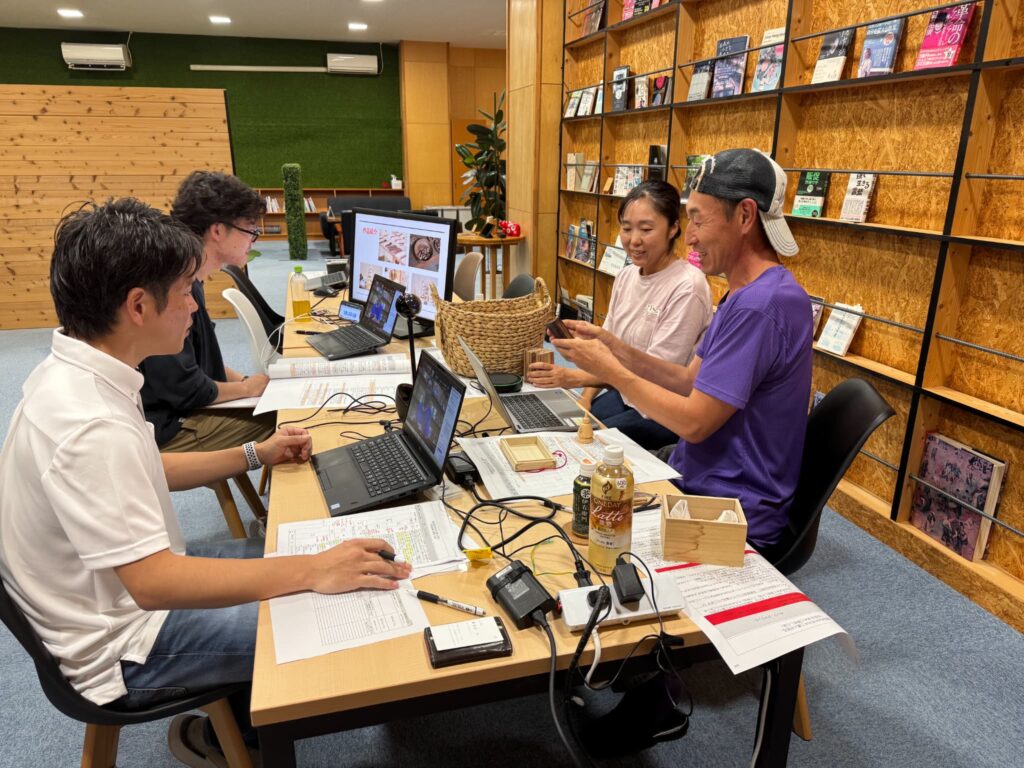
[
  {"x": 430, "y": 597},
  {"x": 310, "y": 333},
  {"x": 394, "y": 557}
]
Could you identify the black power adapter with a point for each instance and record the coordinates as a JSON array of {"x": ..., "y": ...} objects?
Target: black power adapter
[
  {"x": 517, "y": 591},
  {"x": 626, "y": 581},
  {"x": 461, "y": 469}
]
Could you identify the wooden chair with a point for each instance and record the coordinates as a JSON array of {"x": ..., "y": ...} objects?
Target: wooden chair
[
  {"x": 103, "y": 724},
  {"x": 230, "y": 509}
]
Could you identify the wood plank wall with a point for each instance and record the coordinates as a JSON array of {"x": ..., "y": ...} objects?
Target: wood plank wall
[{"x": 61, "y": 146}]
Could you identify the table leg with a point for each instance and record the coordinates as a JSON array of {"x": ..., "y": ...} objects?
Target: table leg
[
  {"x": 781, "y": 680},
  {"x": 492, "y": 259},
  {"x": 277, "y": 747},
  {"x": 504, "y": 252}
]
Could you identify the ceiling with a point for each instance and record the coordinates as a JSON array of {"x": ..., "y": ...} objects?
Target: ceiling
[{"x": 464, "y": 23}]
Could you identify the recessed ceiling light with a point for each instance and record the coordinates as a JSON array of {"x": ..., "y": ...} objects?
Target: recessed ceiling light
[
  {"x": 373, "y": 1},
  {"x": 70, "y": 13},
  {"x": 356, "y": 26},
  {"x": 220, "y": 19}
]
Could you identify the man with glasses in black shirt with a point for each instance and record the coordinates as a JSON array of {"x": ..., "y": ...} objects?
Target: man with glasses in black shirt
[{"x": 224, "y": 213}]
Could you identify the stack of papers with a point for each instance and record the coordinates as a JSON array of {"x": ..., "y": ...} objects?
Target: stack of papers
[{"x": 308, "y": 382}]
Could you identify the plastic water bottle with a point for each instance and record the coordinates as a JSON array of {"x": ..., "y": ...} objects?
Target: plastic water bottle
[
  {"x": 611, "y": 509},
  {"x": 299, "y": 296}
]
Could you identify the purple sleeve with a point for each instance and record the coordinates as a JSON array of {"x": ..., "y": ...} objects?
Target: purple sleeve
[{"x": 738, "y": 357}]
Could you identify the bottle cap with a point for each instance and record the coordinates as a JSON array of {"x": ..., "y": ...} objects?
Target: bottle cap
[
  {"x": 587, "y": 467},
  {"x": 613, "y": 455},
  {"x": 297, "y": 269}
]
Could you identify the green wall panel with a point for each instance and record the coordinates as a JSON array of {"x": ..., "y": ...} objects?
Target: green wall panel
[{"x": 345, "y": 130}]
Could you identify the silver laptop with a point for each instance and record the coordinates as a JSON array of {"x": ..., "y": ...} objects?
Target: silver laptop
[{"x": 550, "y": 410}]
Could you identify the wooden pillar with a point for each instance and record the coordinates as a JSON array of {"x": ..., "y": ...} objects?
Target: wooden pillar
[
  {"x": 534, "y": 112},
  {"x": 426, "y": 125}
]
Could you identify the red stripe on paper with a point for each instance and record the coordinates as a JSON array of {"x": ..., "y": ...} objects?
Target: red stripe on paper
[
  {"x": 760, "y": 606},
  {"x": 676, "y": 567}
]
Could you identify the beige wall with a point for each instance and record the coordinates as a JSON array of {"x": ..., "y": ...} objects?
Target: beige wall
[{"x": 442, "y": 89}]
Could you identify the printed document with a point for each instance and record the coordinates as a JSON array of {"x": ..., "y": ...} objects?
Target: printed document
[{"x": 313, "y": 392}]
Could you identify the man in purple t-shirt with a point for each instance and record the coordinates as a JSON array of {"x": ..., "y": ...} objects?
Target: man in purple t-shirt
[{"x": 740, "y": 406}]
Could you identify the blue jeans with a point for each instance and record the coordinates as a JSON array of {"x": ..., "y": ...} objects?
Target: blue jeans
[
  {"x": 609, "y": 408},
  {"x": 199, "y": 648}
]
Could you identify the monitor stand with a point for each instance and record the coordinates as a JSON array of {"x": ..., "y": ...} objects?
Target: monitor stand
[{"x": 419, "y": 328}]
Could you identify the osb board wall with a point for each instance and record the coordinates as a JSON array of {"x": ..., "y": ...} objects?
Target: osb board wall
[
  {"x": 990, "y": 315},
  {"x": 62, "y": 146},
  {"x": 584, "y": 65},
  {"x": 1004, "y": 550},
  {"x": 602, "y": 296},
  {"x": 895, "y": 127},
  {"x": 718, "y": 19},
  {"x": 576, "y": 278},
  {"x": 644, "y": 48},
  {"x": 711, "y": 128},
  {"x": 628, "y": 138},
  {"x": 830, "y": 14},
  {"x": 608, "y": 221},
  {"x": 888, "y": 276},
  {"x": 886, "y": 442},
  {"x": 1001, "y": 213}
]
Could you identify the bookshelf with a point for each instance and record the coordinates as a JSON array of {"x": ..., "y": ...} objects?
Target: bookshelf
[
  {"x": 938, "y": 265},
  {"x": 273, "y": 224}
]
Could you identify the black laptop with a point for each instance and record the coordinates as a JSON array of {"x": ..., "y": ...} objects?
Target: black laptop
[
  {"x": 399, "y": 463},
  {"x": 371, "y": 332}
]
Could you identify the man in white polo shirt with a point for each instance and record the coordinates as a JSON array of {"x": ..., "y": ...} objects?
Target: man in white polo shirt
[{"x": 90, "y": 548}]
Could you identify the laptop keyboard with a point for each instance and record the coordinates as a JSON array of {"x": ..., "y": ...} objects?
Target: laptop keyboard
[
  {"x": 385, "y": 464},
  {"x": 531, "y": 411},
  {"x": 354, "y": 336}
]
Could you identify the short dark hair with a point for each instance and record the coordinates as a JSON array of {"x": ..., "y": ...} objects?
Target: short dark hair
[
  {"x": 662, "y": 196},
  {"x": 101, "y": 252},
  {"x": 208, "y": 197}
]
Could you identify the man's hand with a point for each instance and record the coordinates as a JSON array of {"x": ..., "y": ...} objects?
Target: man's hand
[
  {"x": 550, "y": 375},
  {"x": 584, "y": 330},
  {"x": 288, "y": 444},
  {"x": 356, "y": 564},
  {"x": 593, "y": 357},
  {"x": 255, "y": 384}
]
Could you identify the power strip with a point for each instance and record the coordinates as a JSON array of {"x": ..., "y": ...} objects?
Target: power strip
[{"x": 576, "y": 609}]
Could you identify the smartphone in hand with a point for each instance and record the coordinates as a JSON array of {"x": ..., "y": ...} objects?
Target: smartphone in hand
[{"x": 559, "y": 330}]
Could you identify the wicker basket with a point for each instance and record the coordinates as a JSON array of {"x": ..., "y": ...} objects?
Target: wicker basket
[{"x": 499, "y": 331}]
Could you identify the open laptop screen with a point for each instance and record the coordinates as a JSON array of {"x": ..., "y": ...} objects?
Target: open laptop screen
[
  {"x": 434, "y": 408},
  {"x": 381, "y": 308}
]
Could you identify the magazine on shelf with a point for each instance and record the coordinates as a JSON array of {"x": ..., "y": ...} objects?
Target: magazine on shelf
[
  {"x": 627, "y": 9},
  {"x": 832, "y": 56},
  {"x": 620, "y": 89},
  {"x": 641, "y": 92},
  {"x": 661, "y": 93},
  {"x": 592, "y": 18},
  {"x": 693, "y": 163},
  {"x": 570, "y": 241},
  {"x": 881, "y": 44},
  {"x": 730, "y": 71},
  {"x": 971, "y": 478},
  {"x": 613, "y": 260},
  {"x": 700, "y": 81},
  {"x": 587, "y": 97},
  {"x": 811, "y": 190},
  {"x": 857, "y": 202},
  {"x": 588, "y": 179},
  {"x": 817, "y": 310},
  {"x": 839, "y": 329},
  {"x": 944, "y": 37},
  {"x": 657, "y": 162},
  {"x": 573, "y": 163},
  {"x": 585, "y": 242},
  {"x": 599, "y": 100},
  {"x": 769, "y": 61},
  {"x": 572, "y": 104}
]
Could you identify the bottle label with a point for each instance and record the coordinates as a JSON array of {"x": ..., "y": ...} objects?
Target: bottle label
[{"x": 581, "y": 509}]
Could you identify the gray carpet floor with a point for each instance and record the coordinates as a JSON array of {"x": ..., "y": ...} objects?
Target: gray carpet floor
[{"x": 939, "y": 682}]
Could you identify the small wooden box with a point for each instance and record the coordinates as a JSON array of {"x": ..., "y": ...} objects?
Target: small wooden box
[
  {"x": 703, "y": 539},
  {"x": 526, "y": 452},
  {"x": 538, "y": 355}
]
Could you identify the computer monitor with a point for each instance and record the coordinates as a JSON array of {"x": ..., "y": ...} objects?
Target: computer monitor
[{"x": 411, "y": 249}]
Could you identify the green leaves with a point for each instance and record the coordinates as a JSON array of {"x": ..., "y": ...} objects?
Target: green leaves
[{"x": 484, "y": 182}]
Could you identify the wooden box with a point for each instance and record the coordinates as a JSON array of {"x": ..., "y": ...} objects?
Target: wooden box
[
  {"x": 703, "y": 539},
  {"x": 526, "y": 452}
]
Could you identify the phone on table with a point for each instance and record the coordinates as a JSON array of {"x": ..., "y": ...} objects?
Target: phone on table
[
  {"x": 350, "y": 311},
  {"x": 559, "y": 330}
]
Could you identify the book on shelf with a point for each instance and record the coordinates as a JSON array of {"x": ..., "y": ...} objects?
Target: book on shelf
[
  {"x": 730, "y": 71},
  {"x": 944, "y": 37},
  {"x": 811, "y": 190},
  {"x": 570, "y": 241},
  {"x": 700, "y": 81},
  {"x": 628, "y": 6},
  {"x": 881, "y": 44},
  {"x": 586, "y": 105},
  {"x": 972, "y": 479},
  {"x": 857, "y": 202},
  {"x": 627, "y": 177},
  {"x": 693, "y": 163},
  {"x": 599, "y": 99},
  {"x": 839, "y": 329},
  {"x": 609, "y": 182},
  {"x": 592, "y": 18},
  {"x": 641, "y": 92},
  {"x": 661, "y": 90},
  {"x": 817, "y": 310},
  {"x": 832, "y": 56},
  {"x": 613, "y": 260},
  {"x": 588, "y": 179},
  {"x": 768, "y": 71},
  {"x": 572, "y": 104},
  {"x": 573, "y": 163},
  {"x": 585, "y": 307},
  {"x": 584, "y": 242},
  {"x": 620, "y": 89},
  {"x": 657, "y": 162}
]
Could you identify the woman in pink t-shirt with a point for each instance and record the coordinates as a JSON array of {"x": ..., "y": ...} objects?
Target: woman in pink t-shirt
[{"x": 659, "y": 304}]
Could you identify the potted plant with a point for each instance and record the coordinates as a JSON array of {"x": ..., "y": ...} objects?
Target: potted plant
[
  {"x": 484, "y": 182},
  {"x": 294, "y": 210}
]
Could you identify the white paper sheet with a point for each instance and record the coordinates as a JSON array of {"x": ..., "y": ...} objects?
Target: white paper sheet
[
  {"x": 308, "y": 367},
  {"x": 501, "y": 480},
  {"x": 312, "y": 393},
  {"x": 248, "y": 403},
  {"x": 751, "y": 614},
  {"x": 463, "y": 634}
]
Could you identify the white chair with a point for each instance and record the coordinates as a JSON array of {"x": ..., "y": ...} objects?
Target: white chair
[
  {"x": 465, "y": 278},
  {"x": 262, "y": 351}
]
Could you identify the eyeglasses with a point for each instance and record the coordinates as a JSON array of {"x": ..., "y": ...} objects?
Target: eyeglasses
[{"x": 253, "y": 233}]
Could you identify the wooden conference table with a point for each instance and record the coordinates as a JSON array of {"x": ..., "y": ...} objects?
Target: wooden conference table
[{"x": 393, "y": 679}]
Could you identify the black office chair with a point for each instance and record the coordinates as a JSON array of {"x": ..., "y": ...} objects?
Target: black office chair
[
  {"x": 330, "y": 232},
  {"x": 104, "y": 723},
  {"x": 271, "y": 320},
  {"x": 836, "y": 431},
  {"x": 521, "y": 285}
]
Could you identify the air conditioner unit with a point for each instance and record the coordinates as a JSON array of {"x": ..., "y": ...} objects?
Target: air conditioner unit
[
  {"x": 92, "y": 56},
  {"x": 352, "y": 64}
]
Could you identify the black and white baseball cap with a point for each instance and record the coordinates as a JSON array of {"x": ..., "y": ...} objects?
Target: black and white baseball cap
[{"x": 736, "y": 174}]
